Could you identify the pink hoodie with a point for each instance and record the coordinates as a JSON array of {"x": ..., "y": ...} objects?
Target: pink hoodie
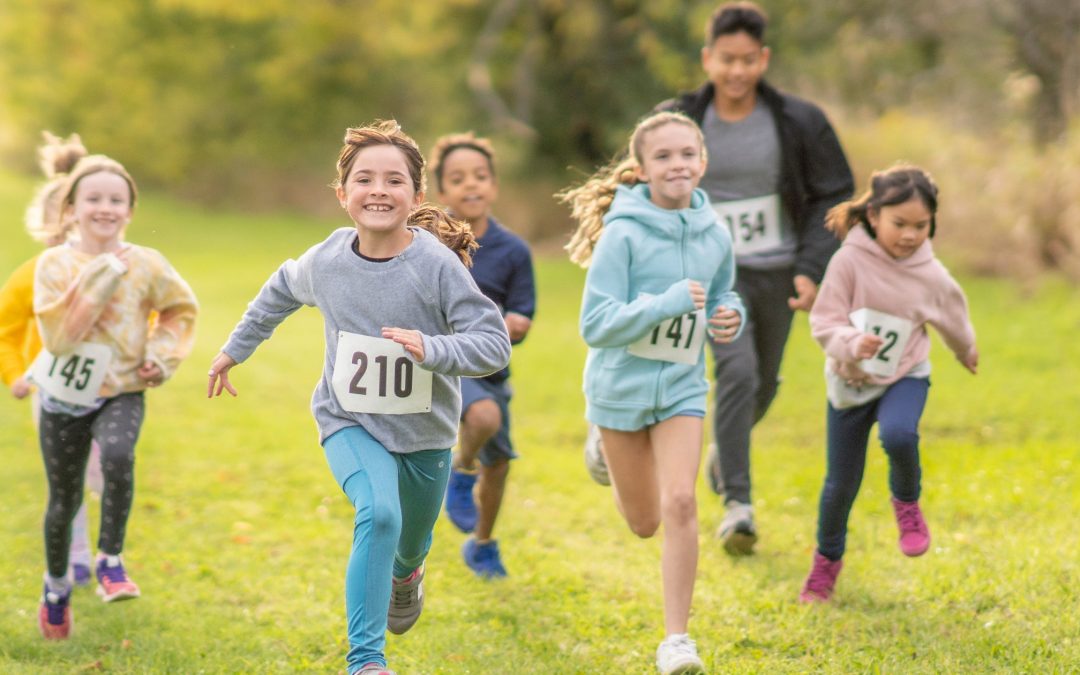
[{"x": 917, "y": 289}]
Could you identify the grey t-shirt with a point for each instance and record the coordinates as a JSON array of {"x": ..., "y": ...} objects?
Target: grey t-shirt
[
  {"x": 744, "y": 163},
  {"x": 423, "y": 288}
]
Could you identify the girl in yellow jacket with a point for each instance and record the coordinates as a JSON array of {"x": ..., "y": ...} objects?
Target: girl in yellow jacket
[{"x": 93, "y": 298}]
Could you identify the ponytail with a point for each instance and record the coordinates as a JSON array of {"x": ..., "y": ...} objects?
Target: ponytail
[
  {"x": 56, "y": 157},
  {"x": 895, "y": 185},
  {"x": 590, "y": 201},
  {"x": 456, "y": 235}
]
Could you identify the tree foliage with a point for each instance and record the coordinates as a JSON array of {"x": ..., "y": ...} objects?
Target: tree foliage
[{"x": 225, "y": 98}]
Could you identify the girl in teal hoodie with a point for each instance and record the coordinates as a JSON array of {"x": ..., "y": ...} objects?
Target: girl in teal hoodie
[{"x": 659, "y": 283}]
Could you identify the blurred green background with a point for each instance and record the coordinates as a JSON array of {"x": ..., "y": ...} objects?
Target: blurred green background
[{"x": 241, "y": 105}]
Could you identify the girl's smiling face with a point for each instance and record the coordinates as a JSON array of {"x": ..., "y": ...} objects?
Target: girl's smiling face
[
  {"x": 102, "y": 209},
  {"x": 902, "y": 228},
  {"x": 378, "y": 193},
  {"x": 672, "y": 163}
]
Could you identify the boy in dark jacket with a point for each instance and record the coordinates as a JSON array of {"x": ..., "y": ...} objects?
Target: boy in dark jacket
[{"x": 775, "y": 168}]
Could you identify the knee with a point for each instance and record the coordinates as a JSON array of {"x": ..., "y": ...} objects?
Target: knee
[
  {"x": 837, "y": 491},
  {"x": 644, "y": 526},
  {"x": 739, "y": 374},
  {"x": 899, "y": 443},
  {"x": 680, "y": 508},
  {"x": 483, "y": 418},
  {"x": 385, "y": 521}
]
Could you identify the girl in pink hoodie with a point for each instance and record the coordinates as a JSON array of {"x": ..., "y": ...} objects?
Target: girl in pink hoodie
[{"x": 880, "y": 291}]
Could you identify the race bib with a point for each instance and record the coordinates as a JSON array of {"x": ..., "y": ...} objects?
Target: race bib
[
  {"x": 754, "y": 223},
  {"x": 74, "y": 377},
  {"x": 893, "y": 330},
  {"x": 677, "y": 340},
  {"x": 374, "y": 375}
]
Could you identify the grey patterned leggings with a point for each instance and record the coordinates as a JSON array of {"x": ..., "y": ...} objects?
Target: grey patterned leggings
[{"x": 65, "y": 448}]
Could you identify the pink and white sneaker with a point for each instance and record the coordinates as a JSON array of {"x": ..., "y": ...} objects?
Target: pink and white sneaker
[
  {"x": 113, "y": 581},
  {"x": 822, "y": 580},
  {"x": 914, "y": 535}
]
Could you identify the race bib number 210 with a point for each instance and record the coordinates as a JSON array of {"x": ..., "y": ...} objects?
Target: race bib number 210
[{"x": 374, "y": 375}]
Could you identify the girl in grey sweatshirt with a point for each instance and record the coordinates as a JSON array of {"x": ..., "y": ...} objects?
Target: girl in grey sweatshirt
[{"x": 403, "y": 320}]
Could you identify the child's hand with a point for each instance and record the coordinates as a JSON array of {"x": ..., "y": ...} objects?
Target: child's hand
[
  {"x": 866, "y": 345},
  {"x": 971, "y": 360},
  {"x": 220, "y": 369},
  {"x": 150, "y": 373},
  {"x": 20, "y": 388},
  {"x": 697, "y": 294},
  {"x": 412, "y": 340},
  {"x": 724, "y": 324}
]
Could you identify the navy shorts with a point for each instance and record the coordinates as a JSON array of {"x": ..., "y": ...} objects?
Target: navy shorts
[{"x": 478, "y": 389}]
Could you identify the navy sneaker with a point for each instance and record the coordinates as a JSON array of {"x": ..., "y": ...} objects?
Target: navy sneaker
[
  {"x": 460, "y": 505},
  {"x": 483, "y": 559}
]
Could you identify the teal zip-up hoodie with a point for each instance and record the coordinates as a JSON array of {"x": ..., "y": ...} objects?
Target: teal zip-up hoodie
[{"x": 639, "y": 278}]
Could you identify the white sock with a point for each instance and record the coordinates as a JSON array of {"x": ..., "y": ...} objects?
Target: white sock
[{"x": 58, "y": 585}]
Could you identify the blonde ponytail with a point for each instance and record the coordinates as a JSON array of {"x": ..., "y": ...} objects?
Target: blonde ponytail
[
  {"x": 590, "y": 201},
  {"x": 56, "y": 157},
  {"x": 456, "y": 235}
]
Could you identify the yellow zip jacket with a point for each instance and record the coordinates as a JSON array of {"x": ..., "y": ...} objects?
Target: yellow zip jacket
[
  {"x": 84, "y": 297},
  {"x": 19, "y": 339}
]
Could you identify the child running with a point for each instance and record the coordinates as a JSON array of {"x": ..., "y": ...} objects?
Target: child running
[
  {"x": 403, "y": 320},
  {"x": 464, "y": 168},
  {"x": 93, "y": 298},
  {"x": 879, "y": 292},
  {"x": 659, "y": 264},
  {"x": 19, "y": 338}
]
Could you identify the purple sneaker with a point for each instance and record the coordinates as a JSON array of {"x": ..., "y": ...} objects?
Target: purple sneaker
[
  {"x": 819, "y": 585},
  {"x": 54, "y": 615},
  {"x": 460, "y": 505},
  {"x": 914, "y": 535},
  {"x": 113, "y": 581},
  {"x": 81, "y": 574}
]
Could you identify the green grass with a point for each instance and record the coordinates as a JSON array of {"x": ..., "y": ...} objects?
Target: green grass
[{"x": 239, "y": 535}]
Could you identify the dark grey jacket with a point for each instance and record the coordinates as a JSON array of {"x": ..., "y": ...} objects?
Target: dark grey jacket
[{"x": 814, "y": 174}]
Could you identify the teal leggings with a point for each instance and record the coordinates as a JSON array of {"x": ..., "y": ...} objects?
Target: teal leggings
[{"x": 397, "y": 499}]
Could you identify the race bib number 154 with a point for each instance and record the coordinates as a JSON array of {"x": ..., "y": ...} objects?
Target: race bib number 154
[{"x": 374, "y": 375}]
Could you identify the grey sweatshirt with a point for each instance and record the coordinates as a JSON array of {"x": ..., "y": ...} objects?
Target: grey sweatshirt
[{"x": 424, "y": 288}]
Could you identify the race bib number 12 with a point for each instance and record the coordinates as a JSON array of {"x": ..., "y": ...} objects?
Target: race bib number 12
[
  {"x": 892, "y": 329},
  {"x": 74, "y": 377},
  {"x": 374, "y": 375}
]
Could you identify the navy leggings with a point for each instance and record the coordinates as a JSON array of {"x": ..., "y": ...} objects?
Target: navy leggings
[{"x": 897, "y": 414}]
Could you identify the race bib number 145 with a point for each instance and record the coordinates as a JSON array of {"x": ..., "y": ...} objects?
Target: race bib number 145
[
  {"x": 74, "y": 377},
  {"x": 374, "y": 375}
]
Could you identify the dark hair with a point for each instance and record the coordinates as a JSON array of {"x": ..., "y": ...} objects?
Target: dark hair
[
  {"x": 893, "y": 186},
  {"x": 737, "y": 17},
  {"x": 445, "y": 145}
]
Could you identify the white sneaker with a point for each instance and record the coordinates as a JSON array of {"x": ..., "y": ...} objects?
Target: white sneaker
[
  {"x": 594, "y": 457},
  {"x": 737, "y": 529},
  {"x": 677, "y": 655}
]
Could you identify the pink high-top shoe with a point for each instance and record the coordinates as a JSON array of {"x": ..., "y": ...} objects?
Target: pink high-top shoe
[
  {"x": 914, "y": 535},
  {"x": 819, "y": 585}
]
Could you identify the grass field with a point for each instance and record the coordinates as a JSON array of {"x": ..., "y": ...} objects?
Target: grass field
[{"x": 239, "y": 535}]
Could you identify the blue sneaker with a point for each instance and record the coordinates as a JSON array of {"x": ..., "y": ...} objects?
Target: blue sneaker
[
  {"x": 54, "y": 615},
  {"x": 460, "y": 505},
  {"x": 483, "y": 559}
]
